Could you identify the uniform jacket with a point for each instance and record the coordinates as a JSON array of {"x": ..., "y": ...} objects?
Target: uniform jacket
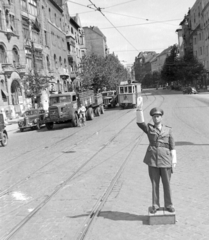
[{"x": 160, "y": 145}]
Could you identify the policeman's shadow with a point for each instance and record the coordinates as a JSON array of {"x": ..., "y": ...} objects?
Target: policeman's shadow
[
  {"x": 118, "y": 216},
  {"x": 189, "y": 144}
]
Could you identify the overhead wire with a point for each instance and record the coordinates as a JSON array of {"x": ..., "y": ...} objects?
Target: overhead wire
[
  {"x": 146, "y": 23},
  {"x": 99, "y": 9}
]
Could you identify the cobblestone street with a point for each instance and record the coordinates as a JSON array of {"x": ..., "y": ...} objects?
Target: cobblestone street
[{"x": 51, "y": 180}]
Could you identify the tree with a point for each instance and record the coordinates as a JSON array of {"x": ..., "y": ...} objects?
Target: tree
[
  {"x": 99, "y": 72},
  {"x": 184, "y": 69},
  {"x": 34, "y": 84}
]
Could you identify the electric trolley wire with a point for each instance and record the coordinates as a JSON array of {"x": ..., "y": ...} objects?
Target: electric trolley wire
[
  {"x": 100, "y": 10},
  {"x": 146, "y": 23}
]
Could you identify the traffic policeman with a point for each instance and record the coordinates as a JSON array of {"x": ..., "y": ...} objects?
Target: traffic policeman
[{"x": 160, "y": 156}]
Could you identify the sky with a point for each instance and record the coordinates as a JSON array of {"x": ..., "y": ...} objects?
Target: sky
[{"x": 133, "y": 26}]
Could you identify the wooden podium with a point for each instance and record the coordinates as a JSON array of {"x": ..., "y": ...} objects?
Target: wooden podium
[{"x": 161, "y": 217}]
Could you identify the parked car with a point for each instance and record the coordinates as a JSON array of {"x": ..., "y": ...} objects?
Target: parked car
[
  {"x": 3, "y": 132},
  {"x": 190, "y": 90},
  {"x": 33, "y": 118}
]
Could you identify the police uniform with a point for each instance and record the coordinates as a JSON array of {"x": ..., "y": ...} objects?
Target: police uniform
[{"x": 159, "y": 159}]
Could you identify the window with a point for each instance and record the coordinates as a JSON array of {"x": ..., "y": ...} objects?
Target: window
[
  {"x": 121, "y": 89},
  {"x": 48, "y": 62},
  {"x": 32, "y": 7},
  {"x": 65, "y": 63},
  {"x": 50, "y": 16},
  {"x": 35, "y": 37},
  {"x": 46, "y": 40},
  {"x": 55, "y": 61},
  {"x": 15, "y": 57},
  {"x": 60, "y": 60},
  {"x": 55, "y": 18},
  {"x": 24, "y": 5},
  {"x": 1, "y": 21},
  {"x": 130, "y": 89},
  {"x": 12, "y": 23},
  {"x": 125, "y": 89},
  {"x": 2, "y": 55}
]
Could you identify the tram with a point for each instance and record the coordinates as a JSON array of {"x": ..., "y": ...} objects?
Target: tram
[{"x": 128, "y": 94}]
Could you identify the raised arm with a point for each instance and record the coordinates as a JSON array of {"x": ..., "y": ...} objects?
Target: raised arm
[
  {"x": 140, "y": 115},
  {"x": 139, "y": 110}
]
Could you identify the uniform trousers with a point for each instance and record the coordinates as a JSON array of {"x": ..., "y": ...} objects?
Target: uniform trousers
[{"x": 165, "y": 175}]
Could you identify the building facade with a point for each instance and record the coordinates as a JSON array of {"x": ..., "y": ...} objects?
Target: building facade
[
  {"x": 12, "y": 59},
  {"x": 96, "y": 42},
  {"x": 34, "y": 39}
]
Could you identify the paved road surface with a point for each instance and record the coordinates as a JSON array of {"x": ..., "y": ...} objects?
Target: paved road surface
[{"x": 36, "y": 167}]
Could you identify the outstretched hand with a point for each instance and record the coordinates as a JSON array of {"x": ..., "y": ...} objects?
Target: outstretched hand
[{"x": 139, "y": 103}]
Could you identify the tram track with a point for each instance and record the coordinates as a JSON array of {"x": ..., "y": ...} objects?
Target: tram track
[
  {"x": 93, "y": 215},
  {"x": 28, "y": 177},
  {"x": 63, "y": 183},
  {"x": 47, "y": 147}
]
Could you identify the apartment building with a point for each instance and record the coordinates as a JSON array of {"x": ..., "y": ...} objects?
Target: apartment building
[
  {"x": 96, "y": 42},
  {"x": 34, "y": 38},
  {"x": 12, "y": 59}
]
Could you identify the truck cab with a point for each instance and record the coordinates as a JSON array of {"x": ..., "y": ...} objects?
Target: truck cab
[{"x": 62, "y": 108}]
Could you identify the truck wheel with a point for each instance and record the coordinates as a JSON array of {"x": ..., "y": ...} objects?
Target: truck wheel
[
  {"x": 102, "y": 109},
  {"x": 50, "y": 125},
  {"x": 38, "y": 127},
  {"x": 90, "y": 114},
  {"x": 98, "y": 111},
  {"x": 75, "y": 120},
  {"x": 4, "y": 140}
]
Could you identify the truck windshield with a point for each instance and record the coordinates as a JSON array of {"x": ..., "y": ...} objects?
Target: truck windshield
[{"x": 60, "y": 99}]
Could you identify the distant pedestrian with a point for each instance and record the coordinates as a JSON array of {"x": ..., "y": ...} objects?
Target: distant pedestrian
[{"x": 160, "y": 156}]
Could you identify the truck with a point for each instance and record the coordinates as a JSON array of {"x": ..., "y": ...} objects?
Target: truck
[
  {"x": 64, "y": 107},
  {"x": 110, "y": 98}
]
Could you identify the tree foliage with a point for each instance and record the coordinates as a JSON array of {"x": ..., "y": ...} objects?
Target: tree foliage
[
  {"x": 99, "y": 72},
  {"x": 184, "y": 69},
  {"x": 34, "y": 84}
]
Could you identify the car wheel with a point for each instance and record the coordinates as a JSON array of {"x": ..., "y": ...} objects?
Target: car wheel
[
  {"x": 50, "y": 125},
  {"x": 21, "y": 129},
  {"x": 4, "y": 140}
]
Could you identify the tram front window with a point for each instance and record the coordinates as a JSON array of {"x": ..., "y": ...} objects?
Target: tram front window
[
  {"x": 130, "y": 89},
  {"x": 121, "y": 89},
  {"x": 126, "y": 89}
]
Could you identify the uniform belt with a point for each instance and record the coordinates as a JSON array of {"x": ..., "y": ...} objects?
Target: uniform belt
[{"x": 159, "y": 144}]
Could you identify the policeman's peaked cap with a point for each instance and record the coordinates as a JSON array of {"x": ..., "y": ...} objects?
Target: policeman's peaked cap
[{"x": 157, "y": 111}]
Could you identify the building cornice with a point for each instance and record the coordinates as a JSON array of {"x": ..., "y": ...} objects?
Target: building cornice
[{"x": 56, "y": 5}]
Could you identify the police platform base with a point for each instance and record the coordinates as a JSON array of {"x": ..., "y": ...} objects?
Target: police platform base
[{"x": 161, "y": 217}]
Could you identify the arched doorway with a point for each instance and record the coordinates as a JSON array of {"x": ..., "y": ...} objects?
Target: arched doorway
[{"x": 16, "y": 92}]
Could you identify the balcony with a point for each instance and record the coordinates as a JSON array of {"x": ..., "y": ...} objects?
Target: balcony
[{"x": 7, "y": 68}]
